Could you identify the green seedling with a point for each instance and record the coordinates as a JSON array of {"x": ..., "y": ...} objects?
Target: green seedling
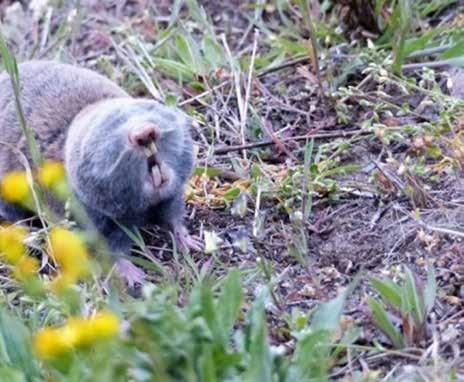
[{"x": 409, "y": 302}]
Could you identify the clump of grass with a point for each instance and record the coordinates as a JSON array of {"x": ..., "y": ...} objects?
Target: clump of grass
[
  {"x": 410, "y": 303},
  {"x": 208, "y": 338}
]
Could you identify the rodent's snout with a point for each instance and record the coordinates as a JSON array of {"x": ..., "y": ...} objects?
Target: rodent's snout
[{"x": 144, "y": 135}]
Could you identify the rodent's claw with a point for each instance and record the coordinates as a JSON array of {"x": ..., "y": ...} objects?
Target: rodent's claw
[
  {"x": 194, "y": 243},
  {"x": 185, "y": 241},
  {"x": 130, "y": 273}
]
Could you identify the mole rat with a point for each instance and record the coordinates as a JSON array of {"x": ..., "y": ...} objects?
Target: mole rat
[{"x": 127, "y": 159}]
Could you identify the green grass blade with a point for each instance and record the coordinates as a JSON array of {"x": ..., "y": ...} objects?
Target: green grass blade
[
  {"x": 403, "y": 14},
  {"x": 11, "y": 68},
  {"x": 229, "y": 301},
  {"x": 327, "y": 316},
  {"x": 312, "y": 356},
  {"x": 414, "y": 298},
  {"x": 16, "y": 340},
  {"x": 389, "y": 291},
  {"x": 260, "y": 361},
  {"x": 384, "y": 324}
]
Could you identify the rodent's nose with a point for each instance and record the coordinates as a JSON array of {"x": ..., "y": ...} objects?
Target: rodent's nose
[{"x": 144, "y": 135}]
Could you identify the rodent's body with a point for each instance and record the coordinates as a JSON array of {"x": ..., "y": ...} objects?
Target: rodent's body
[
  {"x": 100, "y": 132},
  {"x": 52, "y": 94}
]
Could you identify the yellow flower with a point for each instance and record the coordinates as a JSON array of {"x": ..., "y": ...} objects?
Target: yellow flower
[
  {"x": 69, "y": 251},
  {"x": 104, "y": 325},
  {"x": 80, "y": 327},
  {"x": 25, "y": 268},
  {"x": 77, "y": 332},
  {"x": 50, "y": 343},
  {"x": 51, "y": 173},
  {"x": 15, "y": 187},
  {"x": 12, "y": 243}
]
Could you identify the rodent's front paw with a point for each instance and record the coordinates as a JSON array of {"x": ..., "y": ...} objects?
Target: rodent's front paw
[
  {"x": 130, "y": 273},
  {"x": 185, "y": 241}
]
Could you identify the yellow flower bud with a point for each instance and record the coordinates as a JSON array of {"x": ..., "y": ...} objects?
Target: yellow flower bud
[
  {"x": 25, "y": 268},
  {"x": 76, "y": 333},
  {"x": 104, "y": 325},
  {"x": 69, "y": 251},
  {"x": 50, "y": 343},
  {"x": 14, "y": 187},
  {"x": 51, "y": 173},
  {"x": 12, "y": 246}
]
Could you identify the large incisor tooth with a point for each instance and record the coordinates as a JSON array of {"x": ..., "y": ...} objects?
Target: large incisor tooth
[
  {"x": 147, "y": 152},
  {"x": 150, "y": 150},
  {"x": 156, "y": 174},
  {"x": 164, "y": 171},
  {"x": 153, "y": 148}
]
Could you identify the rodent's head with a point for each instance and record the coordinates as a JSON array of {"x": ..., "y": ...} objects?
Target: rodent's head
[{"x": 126, "y": 155}]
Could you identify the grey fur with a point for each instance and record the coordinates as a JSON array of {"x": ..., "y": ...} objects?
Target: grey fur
[{"x": 83, "y": 119}]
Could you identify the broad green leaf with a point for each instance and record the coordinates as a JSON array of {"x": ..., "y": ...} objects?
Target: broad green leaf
[
  {"x": 232, "y": 194},
  {"x": 327, "y": 315},
  {"x": 403, "y": 12},
  {"x": 16, "y": 339},
  {"x": 11, "y": 375},
  {"x": 209, "y": 313},
  {"x": 260, "y": 362},
  {"x": 211, "y": 172},
  {"x": 207, "y": 367},
  {"x": 229, "y": 301},
  {"x": 384, "y": 324},
  {"x": 189, "y": 53},
  {"x": 419, "y": 43},
  {"x": 312, "y": 356},
  {"x": 198, "y": 13},
  {"x": 214, "y": 54},
  {"x": 456, "y": 51},
  {"x": 389, "y": 291},
  {"x": 291, "y": 47},
  {"x": 174, "y": 68},
  {"x": 415, "y": 300},
  {"x": 434, "y": 152}
]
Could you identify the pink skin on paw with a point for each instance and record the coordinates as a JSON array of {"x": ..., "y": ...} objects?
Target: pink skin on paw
[
  {"x": 130, "y": 273},
  {"x": 185, "y": 241}
]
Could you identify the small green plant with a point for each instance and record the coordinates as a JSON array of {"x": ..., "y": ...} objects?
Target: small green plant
[
  {"x": 209, "y": 338},
  {"x": 408, "y": 303}
]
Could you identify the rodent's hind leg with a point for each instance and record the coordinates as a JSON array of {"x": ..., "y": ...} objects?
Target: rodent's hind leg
[{"x": 12, "y": 213}]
